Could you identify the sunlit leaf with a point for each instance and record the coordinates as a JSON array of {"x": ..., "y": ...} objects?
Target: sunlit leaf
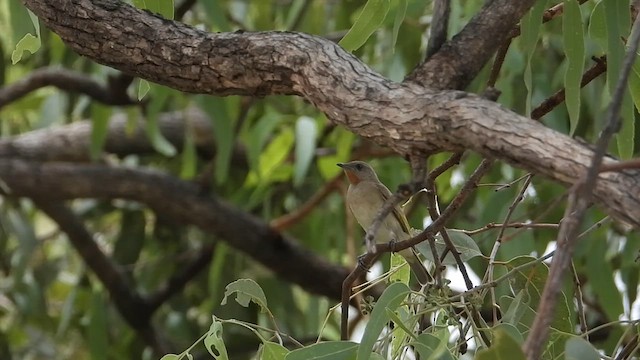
[
  {"x": 306, "y": 132},
  {"x": 214, "y": 342},
  {"x": 29, "y": 42}
]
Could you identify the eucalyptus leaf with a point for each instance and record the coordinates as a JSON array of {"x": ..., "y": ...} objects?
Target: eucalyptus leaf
[{"x": 466, "y": 246}]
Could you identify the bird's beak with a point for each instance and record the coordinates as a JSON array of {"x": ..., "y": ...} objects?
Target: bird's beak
[{"x": 348, "y": 170}]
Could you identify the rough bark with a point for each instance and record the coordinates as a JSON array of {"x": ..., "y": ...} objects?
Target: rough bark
[{"x": 405, "y": 117}]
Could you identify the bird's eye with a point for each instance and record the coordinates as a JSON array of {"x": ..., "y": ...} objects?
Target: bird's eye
[{"x": 359, "y": 167}]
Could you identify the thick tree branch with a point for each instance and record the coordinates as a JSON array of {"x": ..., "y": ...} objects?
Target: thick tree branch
[
  {"x": 408, "y": 118},
  {"x": 183, "y": 202}
]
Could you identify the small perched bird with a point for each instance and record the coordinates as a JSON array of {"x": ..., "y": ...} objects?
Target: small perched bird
[{"x": 365, "y": 197}]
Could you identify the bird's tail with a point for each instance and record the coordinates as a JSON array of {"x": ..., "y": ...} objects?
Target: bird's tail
[{"x": 417, "y": 267}]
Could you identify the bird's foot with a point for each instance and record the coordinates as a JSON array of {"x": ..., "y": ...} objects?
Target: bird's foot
[{"x": 361, "y": 263}]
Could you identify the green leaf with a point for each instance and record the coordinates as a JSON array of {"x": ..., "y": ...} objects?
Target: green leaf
[
  {"x": 465, "y": 245},
  {"x": 504, "y": 347},
  {"x": 28, "y": 42},
  {"x": 143, "y": 88},
  {"x": 216, "y": 13},
  {"x": 601, "y": 277},
  {"x": 391, "y": 298},
  {"x": 130, "y": 240},
  {"x": 189, "y": 155},
  {"x": 370, "y": 19},
  {"x": 273, "y": 351},
  {"x": 573, "y": 40},
  {"x": 97, "y": 332},
  {"x": 328, "y": 350},
  {"x": 160, "y": 96},
  {"x": 577, "y": 348},
  {"x": 170, "y": 357},
  {"x": 99, "y": 129},
  {"x": 214, "y": 342},
  {"x": 401, "y": 12},
  {"x": 403, "y": 273},
  {"x": 617, "y": 27},
  {"x": 246, "y": 290},
  {"x": 530, "y": 29},
  {"x": 431, "y": 347},
  {"x": 162, "y": 7},
  {"x": 275, "y": 154},
  {"x": 306, "y": 132},
  {"x": 343, "y": 142},
  {"x": 216, "y": 108}
]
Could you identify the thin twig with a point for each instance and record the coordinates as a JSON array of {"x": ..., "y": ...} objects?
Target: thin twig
[
  {"x": 579, "y": 201},
  {"x": 496, "y": 245},
  {"x": 599, "y": 68},
  {"x": 584, "y": 328},
  {"x": 285, "y": 221},
  {"x": 621, "y": 166},
  {"x": 513, "y": 225}
]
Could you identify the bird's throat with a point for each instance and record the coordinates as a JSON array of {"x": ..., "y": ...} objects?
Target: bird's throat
[{"x": 353, "y": 178}]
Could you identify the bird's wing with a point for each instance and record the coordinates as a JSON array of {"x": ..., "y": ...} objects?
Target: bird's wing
[{"x": 397, "y": 211}]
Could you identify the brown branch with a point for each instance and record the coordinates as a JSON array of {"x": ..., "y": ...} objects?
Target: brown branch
[
  {"x": 183, "y": 202},
  {"x": 621, "y": 166},
  {"x": 66, "y": 80},
  {"x": 579, "y": 201}
]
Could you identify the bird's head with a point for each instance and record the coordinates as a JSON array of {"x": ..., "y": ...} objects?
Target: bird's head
[{"x": 358, "y": 171}]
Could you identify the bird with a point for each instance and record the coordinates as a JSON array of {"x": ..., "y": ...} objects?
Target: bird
[{"x": 365, "y": 197}]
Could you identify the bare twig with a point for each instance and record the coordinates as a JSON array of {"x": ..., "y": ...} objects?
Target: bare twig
[
  {"x": 556, "y": 99},
  {"x": 584, "y": 329},
  {"x": 513, "y": 225},
  {"x": 496, "y": 245},
  {"x": 579, "y": 201},
  {"x": 620, "y": 166},
  {"x": 285, "y": 221}
]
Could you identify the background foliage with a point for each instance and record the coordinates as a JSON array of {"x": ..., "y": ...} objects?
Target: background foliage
[{"x": 271, "y": 155}]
